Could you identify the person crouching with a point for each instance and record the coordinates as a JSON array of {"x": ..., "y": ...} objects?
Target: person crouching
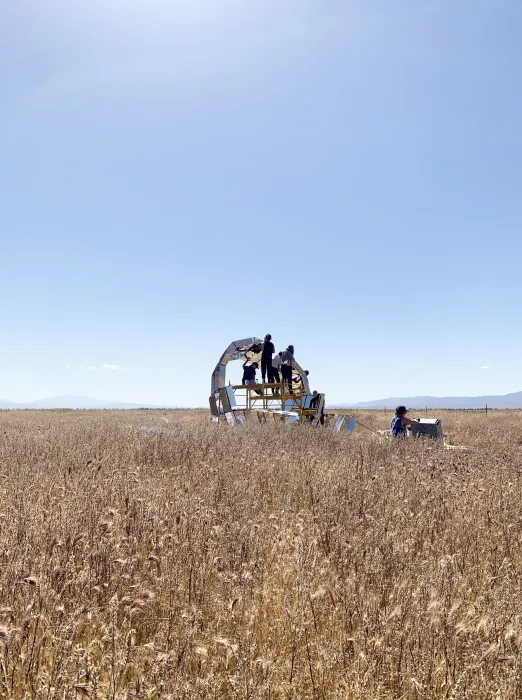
[
  {"x": 400, "y": 422},
  {"x": 249, "y": 373}
]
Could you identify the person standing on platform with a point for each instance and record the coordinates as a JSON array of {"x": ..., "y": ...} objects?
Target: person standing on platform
[
  {"x": 287, "y": 361},
  {"x": 276, "y": 364},
  {"x": 267, "y": 350}
]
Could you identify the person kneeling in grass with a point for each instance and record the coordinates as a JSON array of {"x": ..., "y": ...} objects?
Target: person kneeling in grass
[{"x": 400, "y": 422}]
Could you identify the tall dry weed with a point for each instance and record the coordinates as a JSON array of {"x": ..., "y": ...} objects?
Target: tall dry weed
[{"x": 150, "y": 555}]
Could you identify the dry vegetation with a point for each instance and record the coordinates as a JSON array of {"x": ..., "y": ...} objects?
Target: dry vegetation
[{"x": 151, "y": 555}]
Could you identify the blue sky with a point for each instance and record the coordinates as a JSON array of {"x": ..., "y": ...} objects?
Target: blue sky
[{"x": 176, "y": 174}]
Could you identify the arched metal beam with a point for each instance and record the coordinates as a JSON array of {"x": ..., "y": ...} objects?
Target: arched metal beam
[{"x": 235, "y": 350}]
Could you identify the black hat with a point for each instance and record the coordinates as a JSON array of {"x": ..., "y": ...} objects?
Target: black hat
[{"x": 401, "y": 410}]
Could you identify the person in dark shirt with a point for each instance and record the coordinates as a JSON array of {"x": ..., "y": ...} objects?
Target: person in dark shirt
[
  {"x": 249, "y": 373},
  {"x": 314, "y": 400},
  {"x": 287, "y": 359},
  {"x": 267, "y": 350}
]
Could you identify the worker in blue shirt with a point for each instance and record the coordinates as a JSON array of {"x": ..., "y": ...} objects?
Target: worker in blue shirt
[{"x": 400, "y": 422}]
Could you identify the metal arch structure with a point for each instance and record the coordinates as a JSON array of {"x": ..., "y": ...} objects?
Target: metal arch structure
[{"x": 235, "y": 351}]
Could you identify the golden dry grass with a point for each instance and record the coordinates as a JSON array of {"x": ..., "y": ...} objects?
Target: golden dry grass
[{"x": 195, "y": 561}]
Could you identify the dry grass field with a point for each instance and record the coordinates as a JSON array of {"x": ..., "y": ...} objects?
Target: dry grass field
[{"x": 153, "y": 555}]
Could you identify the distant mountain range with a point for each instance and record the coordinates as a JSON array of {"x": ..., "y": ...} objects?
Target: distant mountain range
[
  {"x": 505, "y": 401},
  {"x": 84, "y": 402}
]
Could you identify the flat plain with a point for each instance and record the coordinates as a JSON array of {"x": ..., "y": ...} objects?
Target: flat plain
[{"x": 154, "y": 555}]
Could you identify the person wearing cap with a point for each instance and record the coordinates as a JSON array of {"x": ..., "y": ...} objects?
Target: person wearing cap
[
  {"x": 287, "y": 361},
  {"x": 400, "y": 422}
]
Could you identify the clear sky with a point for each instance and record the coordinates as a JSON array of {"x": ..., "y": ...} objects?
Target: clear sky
[{"x": 177, "y": 174}]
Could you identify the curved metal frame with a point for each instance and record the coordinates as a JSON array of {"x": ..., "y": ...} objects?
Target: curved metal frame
[{"x": 235, "y": 350}]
